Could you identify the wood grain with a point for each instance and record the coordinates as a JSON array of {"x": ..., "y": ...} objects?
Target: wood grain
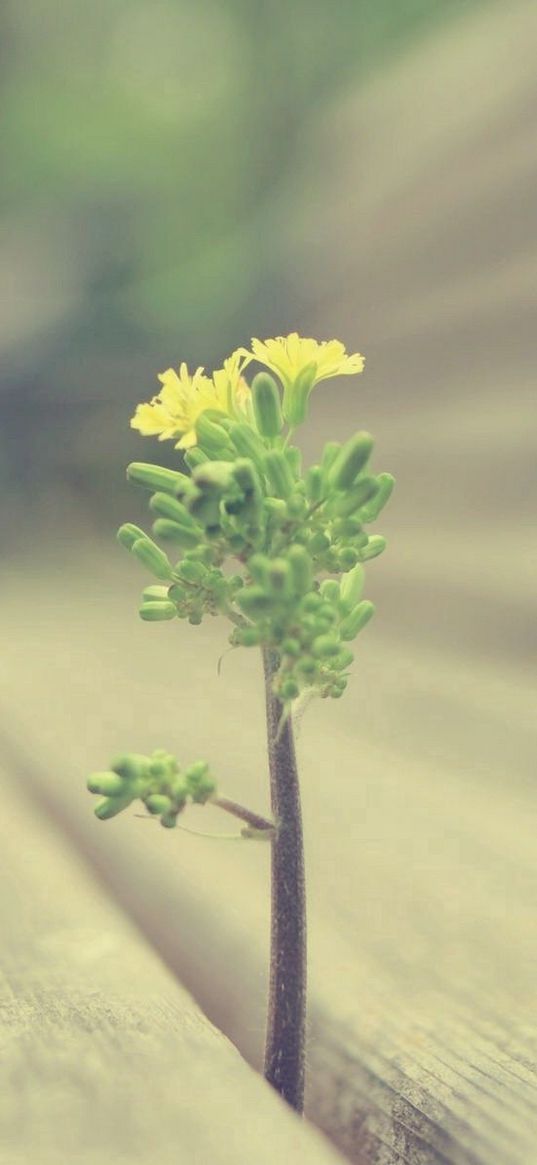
[{"x": 104, "y": 1057}]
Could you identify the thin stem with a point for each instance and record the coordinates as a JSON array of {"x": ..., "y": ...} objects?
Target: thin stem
[
  {"x": 253, "y": 819},
  {"x": 286, "y": 1023}
]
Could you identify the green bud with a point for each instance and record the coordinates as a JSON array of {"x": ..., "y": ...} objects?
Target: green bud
[
  {"x": 248, "y": 443},
  {"x": 199, "y": 782},
  {"x": 293, "y": 457},
  {"x": 297, "y": 506},
  {"x": 301, "y": 567},
  {"x": 253, "y": 601},
  {"x": 375, "y": 545},
  {"x": 355, "y": 497},
  {"x": 108, "y": 784},
  {"x": 346, "y": 527},
  {"x": 266, "y": 405},
  {"x": 296, "y": 395},
  {"x": 325, "y": 645},
  {"x": 128, "y": 534},
  {"x": 169, "y": 819},
  {"x": 157, "y": 477},
  {"x": 177, "y": 593},
  {"x": 353, "y": 623},
  {"x": 318, "y": 543},
  {"x": 342, "y": 660},
  {"x": 156, "y": 594},
  {"x": 211, "y": 436},
  {"x": 289, "y": 689},
  {"x": 157, "y": 612},
  {"x": 214, "y": 476},
  {"x": 276, "y": 511},
  {"x": 151, "y": 556},
  {"x": 385, "y": 484},
  {"x": 350, "y": 461},
  {"x": 291, "y": 646},
  {"x": 314, "y": 483},
  {"x": 111, "y": 806},
  {"x": 330, "y": 453},
  {"x": 259, "y": 566},
  {"x": 307, "y": 665},
  {"x": 330, "y": 589},
  {"x": 311, "y": 602},
  {"x": 248, "y": 636},
  {"x": 194, "y": 457},
  {"x": 157, "y": 803},
  {"x": 167, "y": 507},
  {"x": 131, "y": 766},
  {"x": 351, "y": 587},
  {"x": 347, "y": 558},
  {"x": 193, "y": 572},
  {"x": 280, "y": 577},
  {"x": 205, "y": 508},
  {"x": 279, "y": 473},
  {"x": 246, "y": 476},
  {"x": 172, "y": 532}
]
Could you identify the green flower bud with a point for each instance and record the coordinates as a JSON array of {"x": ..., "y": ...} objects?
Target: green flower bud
[
  {"x": 151, "y": 556},
  {"x": 297, "y": 506},
  {"x": 350, "y": 461},
  {"x": 280, "y": 577},
  {"x": 301, "y": 567},
  {"x": 128, "y": 534},
  {"x": 199, "y": 783},
  {"x": 353, "y": 623},
  {"x": 325, "y": 645},
  {"x": 211, "y": 436},
  {"x": 314, "y": 483},
  {"x": 276, "y": 511},
  {"x": 111, "y": 806},
  {"x": 246, "y": 476},
  {"x": 259, "y": 566},
  {"x": 131, "y": 766},
  {"x": 311, "y": 603},
  {"x": 351, "y": 587},
  {"x": 307, "y": 665},
  {"x": 296, "y": 395},
  {"x": 266, "y": 405},
  {"x": 355, "y": 497},
  {"x": 330, "y": 589},
  {"x": 156, "y": 594},
  {"x": 247, "y": 636},
  {"x": 248, "y": 443},
  {"x": 375, "y": 545},
  {"x": 293, "y": 457},
  {"x": 169, "y": 531},
  {"x": 169, "y": 819},
  {"x": 157, "y": 612},
  {"x": 342, "y": 660},
  {"x": 205, "y": 508},
  {"x": 253, "y": 601},
  {"x": 330, "y": 453},
  {"x": 157, "y": 803},
  {"x": 346, "y": 528},
  {"x": 109, "y": 784},
  {"x": 385, "y": 484},
  {"x": 193, "y": 572},
  {"x": 289, "y": 689},
  {"x": 214, "y": 476},
  {"x": 194, "y": 457},
  {"x": 318, "y": 543},
  {"x": 291, "y": 646},
  {"x": 347, "y": 558},
  {"x": 157, "y": 477},
  {"x": 167, "y": 507},
  {"x": 279, "y": 473}
]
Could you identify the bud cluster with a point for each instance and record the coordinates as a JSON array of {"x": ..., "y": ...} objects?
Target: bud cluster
[
  {"x": 246, "y": 505},
  {"x": 158, "y": 781}
]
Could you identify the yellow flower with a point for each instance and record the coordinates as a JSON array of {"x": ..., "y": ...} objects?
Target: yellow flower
[
  {"x": 301, "y": 363},
  {"x": 173, "y": 412},
  {"x": 288, "y": 356}
]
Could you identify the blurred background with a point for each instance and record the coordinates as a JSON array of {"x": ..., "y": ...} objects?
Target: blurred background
[{"x": 177, "y": 178}]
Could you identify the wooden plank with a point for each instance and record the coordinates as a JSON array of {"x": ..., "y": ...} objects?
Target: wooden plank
[
  {"x": 421, "y": 855},
  {"x": 104, "y": 1057}
]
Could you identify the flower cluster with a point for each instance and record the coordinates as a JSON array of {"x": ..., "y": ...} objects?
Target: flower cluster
[
  {"x": 158, "y": 781},
  {"x": 257, "y": 538}
]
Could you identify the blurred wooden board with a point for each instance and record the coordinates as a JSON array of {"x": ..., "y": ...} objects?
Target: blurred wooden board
[
  {"x": 104, "y": 1058},
  {"x": 419, "y": 808}
]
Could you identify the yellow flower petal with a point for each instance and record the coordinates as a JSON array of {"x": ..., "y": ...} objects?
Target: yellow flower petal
[{"x": 287, "y": 356}]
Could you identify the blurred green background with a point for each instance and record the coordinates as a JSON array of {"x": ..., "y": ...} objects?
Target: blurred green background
[{"x": 157, "y": 161}]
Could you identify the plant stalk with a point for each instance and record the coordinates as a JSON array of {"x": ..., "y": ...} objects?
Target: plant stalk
[{"x": 286, "y": 1021}]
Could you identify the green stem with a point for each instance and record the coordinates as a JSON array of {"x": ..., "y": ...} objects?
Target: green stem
[{"x": 284, "y": 1051}]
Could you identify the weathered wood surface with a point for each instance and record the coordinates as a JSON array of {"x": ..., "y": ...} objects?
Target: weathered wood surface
[
  {"x": 419, "y": 787},
  {"x": 104, "y": 1058}
]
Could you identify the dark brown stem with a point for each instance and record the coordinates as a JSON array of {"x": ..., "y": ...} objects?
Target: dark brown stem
[
  {"x": 253, "y": 819},
  {"x": 286, "y": 1023}
]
